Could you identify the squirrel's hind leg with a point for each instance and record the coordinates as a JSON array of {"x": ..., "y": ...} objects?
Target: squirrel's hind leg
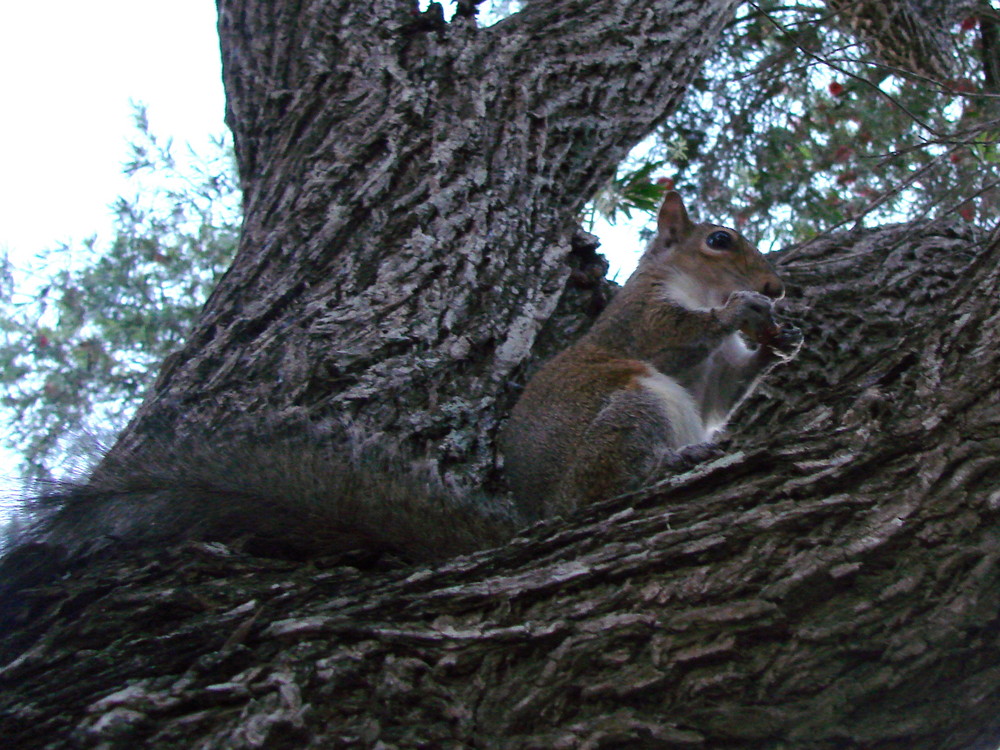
[{"x": 638, "y": 436}]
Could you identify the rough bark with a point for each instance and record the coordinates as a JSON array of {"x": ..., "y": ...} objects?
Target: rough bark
[
  {"x": 411, "y": 192},
  {"x": 832, "y": 582},
  {"x": 910, "y": 36}
]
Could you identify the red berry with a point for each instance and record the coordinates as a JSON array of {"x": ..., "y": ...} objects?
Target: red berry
[
  {"x": 967, "y": 212},
  {"x": 961, "y": 86},
  {"x": 837, "y": 89},
  {"x": 42, "y": 341},
  {"x": 955, "y": 157},
  {"x": 667, "y": 183},
  {"x": 968, "y": 24},
  {"x": 843, "y": 153}
]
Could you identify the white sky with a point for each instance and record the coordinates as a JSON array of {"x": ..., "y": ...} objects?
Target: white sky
[{"x": 69, "y": 69}]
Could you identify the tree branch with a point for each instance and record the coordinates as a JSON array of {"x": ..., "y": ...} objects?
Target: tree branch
[{"x": 606, "y": 73}]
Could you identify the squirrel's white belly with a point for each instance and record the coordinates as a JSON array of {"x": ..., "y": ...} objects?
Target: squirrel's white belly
[{"x": 682, "y": 411}]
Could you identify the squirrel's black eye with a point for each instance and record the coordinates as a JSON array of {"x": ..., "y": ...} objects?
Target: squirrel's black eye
[{"x": 720, "y": 241}]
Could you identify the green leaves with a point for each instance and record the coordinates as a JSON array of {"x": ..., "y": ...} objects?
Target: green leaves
[
  {"x": 85, "y": 328},
  {"x": 634, "y": 190}
]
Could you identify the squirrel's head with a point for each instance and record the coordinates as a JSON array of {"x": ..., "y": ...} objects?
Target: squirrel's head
[{"x": 702, "y": 264}]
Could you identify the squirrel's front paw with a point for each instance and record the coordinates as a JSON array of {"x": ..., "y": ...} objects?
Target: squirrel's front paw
[
  {"x": 699, "y": 453},
  {"x": 784, "y": 340},
  {"x": 690, "y": 456},
  {"x": 749, "y": 312}
]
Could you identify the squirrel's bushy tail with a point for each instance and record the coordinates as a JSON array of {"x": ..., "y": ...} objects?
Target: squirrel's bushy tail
[{"x": 295, "y": 496}]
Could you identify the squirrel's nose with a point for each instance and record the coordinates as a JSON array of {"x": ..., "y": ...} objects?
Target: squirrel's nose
[{"x": 773, "y": 288}]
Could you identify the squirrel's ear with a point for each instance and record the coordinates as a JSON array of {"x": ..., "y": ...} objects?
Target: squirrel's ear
[{"x": 672, "y": 222}]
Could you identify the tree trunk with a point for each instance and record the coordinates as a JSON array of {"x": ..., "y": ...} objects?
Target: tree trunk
[
  {"x": 832, "y": 582},
  {"x": 411, "y": 190}
]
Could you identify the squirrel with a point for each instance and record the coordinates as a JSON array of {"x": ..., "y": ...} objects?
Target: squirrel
[
  {"x": 657, "y": 374},
  {"x": 661, "y": 368}
]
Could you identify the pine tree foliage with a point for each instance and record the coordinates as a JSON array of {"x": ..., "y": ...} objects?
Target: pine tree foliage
[{"x": 85, "y": 328}]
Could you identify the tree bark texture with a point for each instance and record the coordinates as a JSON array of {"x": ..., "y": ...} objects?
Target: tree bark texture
[
  {"x": 832, "y": 582},
  {"x": 911, "y": 36},
  {"x": 411, "y": 191}
]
